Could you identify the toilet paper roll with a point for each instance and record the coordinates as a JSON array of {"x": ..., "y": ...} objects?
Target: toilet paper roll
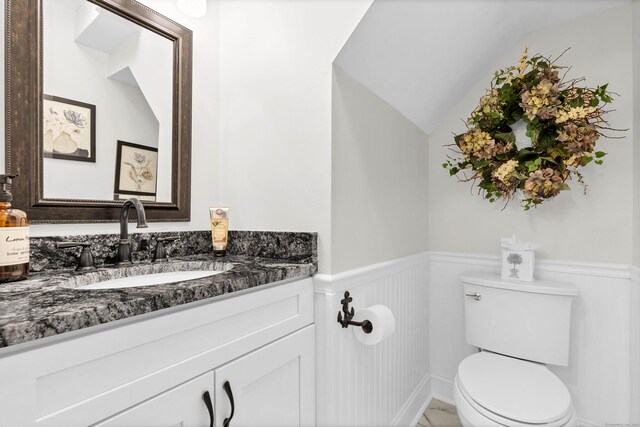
[{"x": 384, "y": 324}]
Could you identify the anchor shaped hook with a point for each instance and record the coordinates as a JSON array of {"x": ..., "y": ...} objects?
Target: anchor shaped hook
[{"x": 366, "y": 325}]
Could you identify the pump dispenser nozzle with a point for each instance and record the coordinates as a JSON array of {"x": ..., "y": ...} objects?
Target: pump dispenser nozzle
[{"x": 5, "y": 182}]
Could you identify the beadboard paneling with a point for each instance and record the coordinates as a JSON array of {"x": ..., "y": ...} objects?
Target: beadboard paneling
[
  {"x": 371, "y": 386},
  {"x": 598, "y": 375},
  {"x": 378, "y": 385}
]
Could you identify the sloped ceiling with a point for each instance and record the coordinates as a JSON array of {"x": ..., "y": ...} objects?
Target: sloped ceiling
[{"x": 423, "y": 56}]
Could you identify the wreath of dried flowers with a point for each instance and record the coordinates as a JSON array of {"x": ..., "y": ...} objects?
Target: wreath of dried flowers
[{"x": 563, "y": 121}]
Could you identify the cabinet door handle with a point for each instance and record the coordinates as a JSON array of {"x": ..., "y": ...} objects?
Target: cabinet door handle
[
  {"x": 207, "y": 401},
  {"x": 227, "y": 388},
  {"x": 476, "y": 296}
]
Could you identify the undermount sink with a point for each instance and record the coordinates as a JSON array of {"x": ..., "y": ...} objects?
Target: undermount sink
[
  {"x": 146, "y": 275},
  {"x": 150, "y": 279}
]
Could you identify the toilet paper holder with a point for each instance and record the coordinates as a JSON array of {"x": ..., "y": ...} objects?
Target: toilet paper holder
[{"x": 366, "y": 325}]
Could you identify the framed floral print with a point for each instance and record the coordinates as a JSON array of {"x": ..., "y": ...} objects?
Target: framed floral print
[
  {"x": 136, "y": 171},
  {"x": 69, "y": 129}
]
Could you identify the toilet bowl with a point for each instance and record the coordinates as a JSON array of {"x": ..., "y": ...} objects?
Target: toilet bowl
[
  {"x": 496, "y": 390},
  {"x": 520, "y": 327}
]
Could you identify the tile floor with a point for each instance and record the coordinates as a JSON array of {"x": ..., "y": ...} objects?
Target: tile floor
[{"x": 439, "y": 414}]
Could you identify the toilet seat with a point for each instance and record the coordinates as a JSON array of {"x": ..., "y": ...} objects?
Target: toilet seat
[{"x": 513, "y": 392}]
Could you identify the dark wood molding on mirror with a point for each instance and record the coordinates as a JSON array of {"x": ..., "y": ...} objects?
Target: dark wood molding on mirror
[{"x": 24, "y": 91}]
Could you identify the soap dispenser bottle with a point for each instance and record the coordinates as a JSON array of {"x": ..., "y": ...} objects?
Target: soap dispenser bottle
[{"x": 14, "y": 236}]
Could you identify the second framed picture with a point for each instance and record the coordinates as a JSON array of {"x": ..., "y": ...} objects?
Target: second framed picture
[
  {"x": 136, "y": 171},
  {"x": 69, "y": 129}
]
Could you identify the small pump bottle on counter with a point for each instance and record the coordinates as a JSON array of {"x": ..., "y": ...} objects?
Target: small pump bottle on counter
[{"x": 14, "y": 236}]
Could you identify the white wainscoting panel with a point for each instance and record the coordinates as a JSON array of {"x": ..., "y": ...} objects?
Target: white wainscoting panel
[
  {"x": 381, "y": 385},
  {"x": 598, "y": 375}
]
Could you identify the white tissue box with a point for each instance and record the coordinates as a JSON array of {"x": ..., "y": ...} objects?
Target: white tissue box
[{"x": 518, "y": 264}]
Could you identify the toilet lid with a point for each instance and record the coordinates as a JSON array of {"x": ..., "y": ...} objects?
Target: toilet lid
[{"x": 516, "y": 389}]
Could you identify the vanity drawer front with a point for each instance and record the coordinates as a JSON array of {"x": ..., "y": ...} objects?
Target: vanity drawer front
[
  {"x": 87, "y": 379},
  {"x": 181, "y": 406}
]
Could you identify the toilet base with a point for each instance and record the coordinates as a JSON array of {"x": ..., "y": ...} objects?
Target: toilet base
[{"x": 470, "y": 417}]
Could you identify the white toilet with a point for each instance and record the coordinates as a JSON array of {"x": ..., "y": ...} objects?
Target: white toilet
[{"x": 519, "y": 327}]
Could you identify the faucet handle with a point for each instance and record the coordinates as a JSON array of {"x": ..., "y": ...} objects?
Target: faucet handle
[
  {"x": 85, "y": 261},
  {"x": 160, "y": 254}
]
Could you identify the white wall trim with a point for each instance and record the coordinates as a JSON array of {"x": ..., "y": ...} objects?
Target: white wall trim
[
  {"x": 635, "y": 275},
  {"x": 336, "y": 283},
  {"x": 442, "y": 389},
  {"x": 621, "y": 271},
  {"x": 465, "y": 258},
  {"x": 415, "y": 405}
]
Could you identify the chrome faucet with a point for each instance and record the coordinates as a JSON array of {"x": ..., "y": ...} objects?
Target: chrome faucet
[{"x": 123, "y": 256}]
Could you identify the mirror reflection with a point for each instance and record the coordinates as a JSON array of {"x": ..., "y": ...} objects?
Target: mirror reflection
[{"x": 107, "y": 105}]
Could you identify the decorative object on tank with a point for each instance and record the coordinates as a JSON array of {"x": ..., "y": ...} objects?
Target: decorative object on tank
[
  {"x": 514, "y": 259},
  {"x": 518, "y": 259},
  {"x": 531, "y": 133}
]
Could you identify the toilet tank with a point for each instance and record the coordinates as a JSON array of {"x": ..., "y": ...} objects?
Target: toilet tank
[{"x": 527, "y": 320}]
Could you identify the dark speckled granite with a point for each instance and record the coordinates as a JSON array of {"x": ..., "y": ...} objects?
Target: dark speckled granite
[
  {"x": 273, "y": 244},
  {"x": 48, "y": 303},
  {"x": 266, "y": 244}
]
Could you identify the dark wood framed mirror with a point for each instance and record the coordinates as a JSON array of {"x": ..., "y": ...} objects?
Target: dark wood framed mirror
[{"x": 24, "y": 44}]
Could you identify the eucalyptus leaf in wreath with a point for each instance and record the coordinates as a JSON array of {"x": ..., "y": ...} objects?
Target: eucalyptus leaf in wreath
[{"x": 563, "y": 121}]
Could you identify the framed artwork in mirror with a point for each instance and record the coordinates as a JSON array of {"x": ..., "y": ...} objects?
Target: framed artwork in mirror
[
  {"x": 136, "y": 171},
  {"x": 69, "y": 129},
  {"x": 27, "y": 65}
]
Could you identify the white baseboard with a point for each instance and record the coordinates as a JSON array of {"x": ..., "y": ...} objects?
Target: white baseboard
[
  {"x": 442, "y": 389},
  {"x": 415, "y": 405},
  {"x": 583, "y": 423},
  {"x": 423, "y": 409}
]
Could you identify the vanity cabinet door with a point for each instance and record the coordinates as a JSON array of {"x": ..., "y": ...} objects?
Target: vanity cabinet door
[
  {"x": 271, "y": 386},
  {"x": 182, "y": 406}
]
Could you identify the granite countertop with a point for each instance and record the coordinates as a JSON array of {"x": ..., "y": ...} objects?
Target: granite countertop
[{"x": 45, "y": 305}]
